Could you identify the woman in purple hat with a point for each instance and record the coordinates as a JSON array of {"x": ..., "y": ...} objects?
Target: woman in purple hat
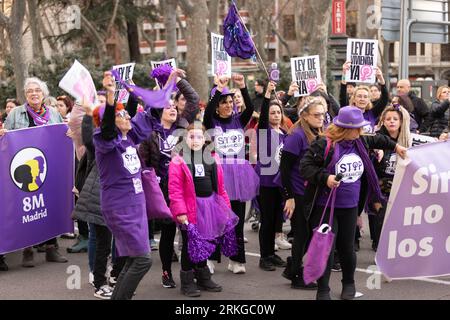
[
  {"x": 241, "y": 181},
  {"x": 347, "y": 155}
]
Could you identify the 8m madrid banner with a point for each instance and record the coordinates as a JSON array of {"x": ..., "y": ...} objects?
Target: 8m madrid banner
[
  {"x": 415, "y": 241},
  {"x": 36, "y": 174}
]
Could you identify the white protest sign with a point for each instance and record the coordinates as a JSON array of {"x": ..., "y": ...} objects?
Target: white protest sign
[
  {"x": 418, "y": 139},
  {"x": 126, "y": 73},
  {"x": 220, "y": 60},
  {"x": 170, "y": 62},
  {"x": 363, "y": 55},
  {"x": 78, "y": 83},
  {"x": 306, "y": 72}
]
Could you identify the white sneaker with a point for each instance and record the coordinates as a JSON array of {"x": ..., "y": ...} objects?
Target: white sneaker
[
  {"x": 211, "y": 266},
  {"x": 91, "y": 279},
  {"x": 236, "y": 267},
  {"x": 282, "y": 242},
  {"x": 104, "y": 293},
  {"x": 275, "y": 247},
  {"x": 245, "y": 240}
]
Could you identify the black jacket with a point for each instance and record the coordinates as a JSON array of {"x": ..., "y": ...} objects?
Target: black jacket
[
  {"x": 420, "y": 112},
  {"x": 439, "y": 117},
  {"x": 313, "y": 168}
]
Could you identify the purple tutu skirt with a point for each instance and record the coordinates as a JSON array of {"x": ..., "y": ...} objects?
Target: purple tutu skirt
[
  {"x": 214, "y": 217},
  {"x": 241, "y": 180}
]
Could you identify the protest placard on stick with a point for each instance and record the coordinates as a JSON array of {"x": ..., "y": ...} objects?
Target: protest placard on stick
[
  {"x": 220, "y": 60},
  {"x": 363, "y": 55},
  {"x": 126, "y": 74},
  {"x": 306, "y": 72}
]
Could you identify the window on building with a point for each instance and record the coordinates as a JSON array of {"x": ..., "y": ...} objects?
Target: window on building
[
  {"x": 289, "y": 27},
  {"x": 422, "y": 49},
  {"x": 445, "y": 52},
  {"x": 271, "y": 55},
  {"x": 392, "y": 52},
  {"x": 412, "y": 49},
  {"x": 162, "y": 34}
]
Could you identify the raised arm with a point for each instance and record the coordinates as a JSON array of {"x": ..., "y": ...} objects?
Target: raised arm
[
  {"x": 263, "y": 122},
  {"x": 108, "y": 126},
  {"x": 192, "y": 100},
  {"x": 211, "y": 108},
  {"x": 245, "y": 116},
  {"x": 381, "y": 103}
]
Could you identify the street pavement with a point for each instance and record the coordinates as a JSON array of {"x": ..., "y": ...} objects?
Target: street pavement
[{"x": 53, "y": 281}]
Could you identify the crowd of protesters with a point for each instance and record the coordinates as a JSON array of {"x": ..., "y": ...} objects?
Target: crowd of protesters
[{"x": 285, "y": 167}]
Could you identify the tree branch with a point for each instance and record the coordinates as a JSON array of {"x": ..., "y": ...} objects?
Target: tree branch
[
  {"x": 4, "y": 21},
  {"x": 187, "y": 6},
  {"x": 113, "y": 18}
]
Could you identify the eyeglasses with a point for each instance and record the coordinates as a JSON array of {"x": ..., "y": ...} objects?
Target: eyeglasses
[
  {"x": 122, "y": 114},
  {"x": 318, "y": 115},
  {"x": 31, "y": 91}
]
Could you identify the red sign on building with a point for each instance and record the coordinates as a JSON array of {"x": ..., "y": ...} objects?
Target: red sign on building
[{"x": 339, "y": 17}]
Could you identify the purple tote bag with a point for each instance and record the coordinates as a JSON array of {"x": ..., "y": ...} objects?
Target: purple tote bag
[
  {"x": 154, "y": 198},
  {"x": 320, "y": 246}
]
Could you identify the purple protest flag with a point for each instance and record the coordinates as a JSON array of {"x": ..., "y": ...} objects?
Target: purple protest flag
[
  {"x": 37, "y": 174},
  {"x": 199, "y": 248},
  {"x": 237, "y": 40},
  {"x": 415, "y": 240},
  {"x": 157, "y": 99}
]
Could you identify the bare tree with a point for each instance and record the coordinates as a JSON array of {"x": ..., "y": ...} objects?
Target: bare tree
[
  {"x": 33, "y": 14},
  {"x": 197, "y": 42},
  {"x": 312, "y": 28},
  {"x": 260, "y": 10},
  {"x": 169, "y": 8},
  {"x": 213, "y": 16},
  {"x": 14, "y": 26}
]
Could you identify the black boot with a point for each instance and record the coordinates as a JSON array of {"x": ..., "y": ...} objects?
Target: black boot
[
  {"x": 299, "y": 283},
  {"x": 287, "y": 273},
  {"x": 188, "y": 286},
  {"x": 348, "y": 291},
  {"x": 3, "y": 265},
  {"x": 204, "y": 281}
]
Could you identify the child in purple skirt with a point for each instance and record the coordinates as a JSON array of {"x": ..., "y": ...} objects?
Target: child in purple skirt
[{"x": 197, "y": 196}]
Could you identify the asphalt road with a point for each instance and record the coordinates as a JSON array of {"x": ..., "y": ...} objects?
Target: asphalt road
[{"x": 50, "y": 280}]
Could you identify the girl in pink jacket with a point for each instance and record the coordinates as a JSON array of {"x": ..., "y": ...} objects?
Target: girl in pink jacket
[{"x": 197, "y": 196}]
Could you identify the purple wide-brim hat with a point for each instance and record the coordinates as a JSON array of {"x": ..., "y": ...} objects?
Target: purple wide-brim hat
[
  {"x": 350, "y": 118},
  {"x": 225, "y": 92}
]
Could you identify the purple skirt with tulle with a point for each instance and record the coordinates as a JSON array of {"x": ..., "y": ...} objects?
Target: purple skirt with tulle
[
  {"x": 240, "y": 179},
  {"x": 214, "y": 217}
]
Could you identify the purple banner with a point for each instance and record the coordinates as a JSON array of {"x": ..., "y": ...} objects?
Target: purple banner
[
  {"x": 415, "y": 241},
  {"x": 36, "y": 174}
]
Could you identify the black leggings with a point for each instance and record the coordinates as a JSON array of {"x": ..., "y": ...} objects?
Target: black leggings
[
  {"x": 344, "y": 227},
  {"x": 302, "y": 235},
  {"x": 239, "y": 209},
  {"x": 168, "y": 232},
  {"x": 270, "y": 200},
  {"x": 186, "y": 263}
]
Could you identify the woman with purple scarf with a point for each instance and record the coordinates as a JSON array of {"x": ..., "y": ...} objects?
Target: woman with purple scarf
[
  {"x": 35, "y": 113},
  {"x": 241, "y": 180},
  {"x": 344, "y": 152}
]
